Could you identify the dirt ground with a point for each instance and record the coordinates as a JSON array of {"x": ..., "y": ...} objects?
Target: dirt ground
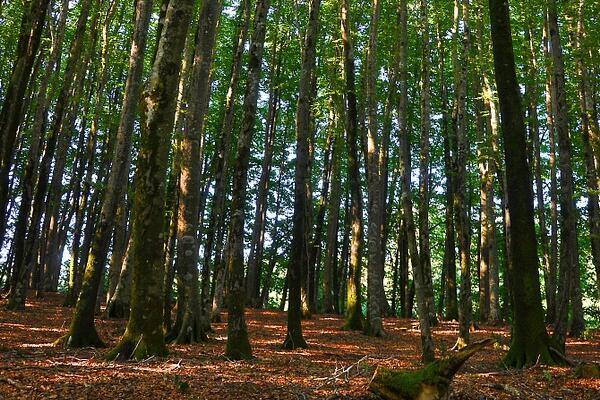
[{"x": 337, "y": 365}]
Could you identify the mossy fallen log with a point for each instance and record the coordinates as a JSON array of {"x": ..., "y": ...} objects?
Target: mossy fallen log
[{"x": 431, "y": 382}]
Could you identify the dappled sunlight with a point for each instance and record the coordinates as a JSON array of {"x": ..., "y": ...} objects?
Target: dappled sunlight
[{"x": 336, "y": 363}]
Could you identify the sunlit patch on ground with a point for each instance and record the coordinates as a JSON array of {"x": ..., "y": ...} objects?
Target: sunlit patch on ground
[{"x": 337, "y": 364}]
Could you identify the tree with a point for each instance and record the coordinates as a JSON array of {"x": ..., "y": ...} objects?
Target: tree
[
  {"x": 82, "y": 331},
  {"x": 143, "y": 336},
  {"x": 530, "y": 342},
  {"x": 190, "y": 325},
  {"x": 354, "y": 318},
  {"x": 298, "y": 265},
  {"x": 32, "y": 26},
  {"x": 238, "y": 346}
]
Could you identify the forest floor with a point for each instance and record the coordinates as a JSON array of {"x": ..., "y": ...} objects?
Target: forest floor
[{"x": 337, "y": 364}]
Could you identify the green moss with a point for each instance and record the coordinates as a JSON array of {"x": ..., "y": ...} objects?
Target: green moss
[{"x": 410, "y": 384}]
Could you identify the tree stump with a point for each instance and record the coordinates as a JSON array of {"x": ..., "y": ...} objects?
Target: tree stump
[{"x": 431, "y": 382}]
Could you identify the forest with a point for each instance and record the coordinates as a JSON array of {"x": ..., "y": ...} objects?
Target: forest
[{"x": 282, "y": 199}]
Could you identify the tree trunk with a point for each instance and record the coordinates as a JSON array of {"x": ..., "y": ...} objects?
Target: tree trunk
[
  {"x": 143, "y": 336},
  {"x": 11, "y": 114},
  {"x": 448, "y": 295},
  {"x": 354, "y": 317},
  {"x": 191, "y": 329},
  {"x": 23, "y": 263},
  {"x": 222, "y": 170},
  {"x": 258, "y": 230},
  {"x": 461, "y": 198},
  {"x": 407, "y": 204},
  {"x": 300, "y": 251},
  {"x": 374, "y": 326},
  {"x": 330, "y": 263},
  {"x": 424, "y": 178},
  {"x": 551, "y": 130},
  {"x": 569, "y": 285},
  {"x": 118, "y": 305},
  {"x": 591, "y": 139},
  {"x": 238, "y": 346},
  {"x": 82, "y": 325},
  {"x": 530, "y": 342}
]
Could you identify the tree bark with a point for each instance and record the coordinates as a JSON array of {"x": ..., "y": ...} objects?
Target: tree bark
[
  {"x": 300, "y": 251},
  {"x": 460, "y": 200},
  {"x": 143, "y": 335},
  {"x": 238, "y": 346},
  {"x": 569, "y": 285},
  {"x": 530, "y": 342},
  {"x": 11, "y": 114},
  {"x": 354, "y": 317},
  {"x": 82, "y": 326},
  {"x": 191, "y": 329}
]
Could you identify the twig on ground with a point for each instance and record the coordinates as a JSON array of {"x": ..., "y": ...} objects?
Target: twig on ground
[{"x": 344, "y": 373}]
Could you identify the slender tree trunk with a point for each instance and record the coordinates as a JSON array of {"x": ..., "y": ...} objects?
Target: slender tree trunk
[
  {"x": 537, "y": 167},
  {"x": 418, "y": 265},
  {"x": 273, "y": 256},
  {"x": 449, "y": 263},
  {"x": 375, "y": 259},
  {"x": 330, "y": 264},
  {"x": 551, "y": 130},
  {"x": 30, "y": 172},
  {"x": 258, "y": 230},
  {"x": 300, "y": 251},
  {"x": 424, "y": 178},
  {"x": 354, "y": 317},
  {"x": 118, "y": 305},
  {"x": 238, "y": 345},
  {"x": 143, "y": 335},
  {"x": 460, "y": 200},
  {"x": 190, "y": 327},
  {"x": 222, "y": 170},
  {"x": 24, "y": 262},
  {"x": 569, "y": 285},
  {"x": 11, "y": 113},
  {"x": 591, "y": 138},
  {"x": 118, "y": 249},
  {"x": 492, "y": 171},
  {"x": 316, "y": 243}
]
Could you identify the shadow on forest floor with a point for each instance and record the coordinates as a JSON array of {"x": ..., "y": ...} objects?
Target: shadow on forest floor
[{"x": 31, "y": 368}]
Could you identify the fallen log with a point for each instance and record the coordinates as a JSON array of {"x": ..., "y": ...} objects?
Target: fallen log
[{"x": 431, "y": 382}]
